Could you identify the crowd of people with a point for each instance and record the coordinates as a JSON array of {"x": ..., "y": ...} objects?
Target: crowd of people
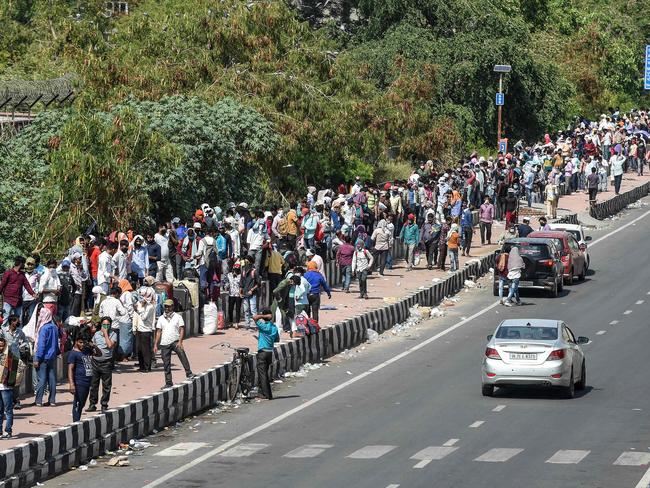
[{"x": 100, "y": 303}]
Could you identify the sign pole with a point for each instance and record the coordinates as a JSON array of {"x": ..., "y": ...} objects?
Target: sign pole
[{"x": 499, "y": 110}]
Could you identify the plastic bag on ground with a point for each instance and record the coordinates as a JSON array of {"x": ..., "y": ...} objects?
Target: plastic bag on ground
[
  {"x": 373, "y": 336},
  {"x": 210, "y": 317}
]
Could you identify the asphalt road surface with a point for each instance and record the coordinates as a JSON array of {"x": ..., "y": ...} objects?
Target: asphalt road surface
[{"x": 408, "y": 412}]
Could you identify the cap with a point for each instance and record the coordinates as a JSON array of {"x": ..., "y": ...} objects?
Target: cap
[
  {"x": 176, "y": 220},
  {"x": 31, "y": 261},
  {"x": 243, "y": 205},
  {"x": 197, "y": 225},
  {"x": 310, "y": 252},
  {"x": 168, "y": 303},
  {"x": 65, "y": 263},
  {"x": 526, "y": 219},
  {"x": 149, "y": 280},
  {"x": 411, "y": 217}
]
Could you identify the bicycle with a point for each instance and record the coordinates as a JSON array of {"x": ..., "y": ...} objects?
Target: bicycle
[{"x": 240, "y": 376}]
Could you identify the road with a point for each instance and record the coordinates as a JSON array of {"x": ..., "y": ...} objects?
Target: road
[{"x": 408, "y": 412}]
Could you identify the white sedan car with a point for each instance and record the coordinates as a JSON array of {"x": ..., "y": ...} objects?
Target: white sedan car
[
  {"x": 578, "y": 232},
  {"x": 534, "y": 352}
]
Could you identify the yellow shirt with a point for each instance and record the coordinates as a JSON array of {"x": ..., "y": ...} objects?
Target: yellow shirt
[
  {"x": 274, "y": 262},
  {"x": 292, "y": 223}
]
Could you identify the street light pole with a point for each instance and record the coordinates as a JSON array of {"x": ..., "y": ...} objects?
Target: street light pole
[
  {"x": 500, "y": 68},
  {"x": 499, "y": 110}
]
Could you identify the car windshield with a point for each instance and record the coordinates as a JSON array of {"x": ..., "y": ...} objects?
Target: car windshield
[
  {"x": 575, "y": 233},
  {"x": 526, "y": 332},
  {"x": 533, "y": 250}
]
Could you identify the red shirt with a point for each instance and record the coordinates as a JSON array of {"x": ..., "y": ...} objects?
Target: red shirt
[
  {"x": 94, "y": 262},
  {"x": 11, "y": 287}
]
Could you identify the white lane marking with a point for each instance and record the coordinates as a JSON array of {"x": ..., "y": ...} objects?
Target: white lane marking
[
  {"x": 433, "y": 453},
  {"x": 498, "y": 408},
  {"x": 648, "y": 293},
  {"x": 422, "y": 464},
  {"x": 613, "y": 322},
  {"x": 601, "y": 332},
  {"x": 498, "y": 455},
  {"x": 627, "y": 312},
  {"x": 569, "y": 456},
  {"x": 477, "y": 424},
  {"x": 308, "y": 451},
  {"x": 450, "y": 442},
  {"x": 181, "y": 449},
  {"x": 371, "y": 452},
  {"x": 639, "y": 302},
  {"x": 392, "y": 486},
  {"x": 290, "y": 413},
  {"x": 244, "y": 450},
  {"x": 633, "y": 459},
  {"x": 631, "y": 222}
]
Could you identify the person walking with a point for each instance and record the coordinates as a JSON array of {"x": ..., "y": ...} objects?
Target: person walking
[
  {"x": 144, "y": 325},
  {"x": 80, "y": 370},
  {"x": 515, "y": 267},
  {"x": 592, "y": 185},
  {"x": 344, "y": 254},
  {"x": 170, "y": 332},
  {"x": 6, "y": 392},
  {"x": 47, "y": 350},
  {"x": 410, "y": 236},
  {"x": 501, "y": 267},
  {"x": 442, "y": 243},
  {"x": 429, "y": 239},
  {"x": 362, "y": 263},
  {"x": 16, "y": 340},
  {"x": 268, "y": 336},
  {"x": 105, "y": 339},
  {"x": 617, "y": 163},
  {"x": 467, "y": 229},
  {"x": 317, "y": 282},
  {"x": 249, "y": 284},
  {"x": 233, "y": 286},
  {"x": 11, "y": 289},
  {"x": 383, "y": 239},
  {"x": 552, "y": 197},
  {"x": 485, "y": 220}
]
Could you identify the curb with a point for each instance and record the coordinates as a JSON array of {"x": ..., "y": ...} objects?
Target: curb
[{"x": 614, "y": 205}]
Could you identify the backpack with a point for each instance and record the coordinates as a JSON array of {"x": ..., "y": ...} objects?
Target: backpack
[
  {"x": 319, "y": 235},
  {"x": 502, "y": 262},
  {"x": 283, "y": 226},
  {"x": 67, "y": 289},
  {"x": 312, "y": 327}
]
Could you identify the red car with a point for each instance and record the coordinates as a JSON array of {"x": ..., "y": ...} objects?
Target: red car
[{"x": 573, "y": 258}]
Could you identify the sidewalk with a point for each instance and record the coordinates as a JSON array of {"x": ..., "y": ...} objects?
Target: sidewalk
[{"x": 129, "y": 384}]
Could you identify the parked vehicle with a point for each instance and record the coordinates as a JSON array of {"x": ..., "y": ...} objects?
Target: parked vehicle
[
  {"x": 534, "y": 352},
  {"x": 579, "y": 233},
  {"x": 573, "y": 258},
  {"x": 543, "y": 266}
]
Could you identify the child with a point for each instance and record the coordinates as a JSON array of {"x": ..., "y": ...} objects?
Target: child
[
  {"x": 80, "y": 370},
  {"x": 6, "y": 391},
  {"x": 453, "y": 242}
]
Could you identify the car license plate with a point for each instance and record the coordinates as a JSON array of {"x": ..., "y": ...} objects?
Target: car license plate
[
  {"x": 521, "y": 355},
  {"x": 525, "y": 283}
]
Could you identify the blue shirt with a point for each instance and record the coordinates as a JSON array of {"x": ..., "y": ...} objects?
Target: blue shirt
[
  {"x": 467, "y": 220},
  {"x": 48, "y": 343},
  {"x": 268, "y": 334},
  {"x": 181, "y": 232},
  {"x": 316, "y": 281}
]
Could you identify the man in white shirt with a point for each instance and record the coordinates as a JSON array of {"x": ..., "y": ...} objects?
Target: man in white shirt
[
  {"x": 617, "y": 163},
  {"x": 255, "y": 241},
  {"x": 50, "y": 287},
  {"x": 120, "y": 260},
  {"x": 165, "y": 272},
  {"x": 113, "y": 307},
  {"x": 106, "y": 267},
  {"x": 170, "y": 332}
]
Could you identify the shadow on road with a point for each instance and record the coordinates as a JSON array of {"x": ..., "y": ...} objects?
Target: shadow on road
[{"x": 538, "y": 393}]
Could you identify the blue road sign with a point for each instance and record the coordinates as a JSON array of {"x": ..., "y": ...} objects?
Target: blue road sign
[
  {"x": 503, "y": 146},
  {"x": 500, "y": 99},
  {"x": 646, "y": 78}
]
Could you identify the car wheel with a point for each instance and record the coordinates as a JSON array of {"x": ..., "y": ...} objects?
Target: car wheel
[
  {"x": 569, "y": 280},
  {"x": 560, "y": 286},
  {"x": 495, "y": 289},
  {"x": 581, "y": 276},
  {"x": 570, "y": 391},
  {"x": 487, "y": 390},
  {"x": 582, "y": 384}
]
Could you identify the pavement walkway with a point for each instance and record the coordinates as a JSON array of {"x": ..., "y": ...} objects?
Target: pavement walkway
[{"x": 204, "y": 351}]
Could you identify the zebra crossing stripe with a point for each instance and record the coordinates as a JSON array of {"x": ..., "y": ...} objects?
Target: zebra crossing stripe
[
  {"x": 371, "y": 452},
  {"x": 498, "y": 455},
  {"x": 629, "y": 458},
  {"x": 308, "y": 451},
  {"x": 181, "y": 449},
  {"x": 244, "y": 450},
  {"x": 568, "y": 456}
]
